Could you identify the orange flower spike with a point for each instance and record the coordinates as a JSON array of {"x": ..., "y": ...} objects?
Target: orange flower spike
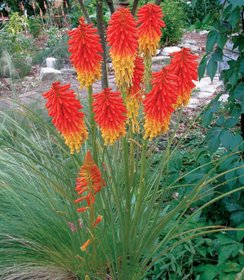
[
  {"x": 89, "y": 181},
  {"x": 184, "y": 66},
  {"x": 98, "y": 220},
  {"x": 110, "y": 114},
  {"x": 159, "y": 103},
  {"x": 123, "y": 41},
  {"x": 85, "y": 48},
  {"x": 85, "y": 245},
  {"x": 134, "y": 97},
  {"x": 65, "y": 110},
  {"x": 149, "y": 30}
]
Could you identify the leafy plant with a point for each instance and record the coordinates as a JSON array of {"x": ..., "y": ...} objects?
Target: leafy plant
[
  {"x": 174, "y": 18},
  {"x": 35, "y": 26},
  {"x": 17, "y": 23}
]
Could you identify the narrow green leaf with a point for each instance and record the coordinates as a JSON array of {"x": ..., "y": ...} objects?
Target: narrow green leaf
[
  {"x": 202, "y": 67},
  {"x": 221, "y": 40},
  {"x": 234, "y": 17},
  {"x": 211, "y": 40},
  {"x": 212, "y": 68}
]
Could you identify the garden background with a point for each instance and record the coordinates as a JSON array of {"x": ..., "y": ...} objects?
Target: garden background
[{"x": 183, "y": 189}]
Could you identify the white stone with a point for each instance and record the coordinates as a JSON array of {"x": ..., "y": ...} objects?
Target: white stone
[
  {"x": 158, "y": 52},
  {"x": 224, "y": 98},
  {"x": 49, "y": 74},
  {"x": 160, "y": 58},
  {"x": 204, "y": 94},
  {"x": 189, "y": 46},
  {"x": 169, "y": 50},
  {"x": 203, "y": 32},
  {"x": 51, "y": 61}
]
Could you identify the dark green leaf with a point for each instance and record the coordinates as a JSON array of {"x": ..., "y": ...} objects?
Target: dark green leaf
[
  {"x": 211, "y": 40},
  {"x": 241, "y": 68},
  {"x": 221, "y": 40},
  {"x": 229, "y": 140},
  {"x": 234, "y": 17},
  {"x": 225, "y": 252},
  {"x": 202, "y": 67},
  {"x": 209, "y": 272},
  {"x": 217, "y": 55},
  {"x": 237, "y": 217},
  {"x": 240, "y": 234},
  {"x": 231, "y": 267},
  {"x": 236, "y": 3},
  {"x": 212, "y": 68}
]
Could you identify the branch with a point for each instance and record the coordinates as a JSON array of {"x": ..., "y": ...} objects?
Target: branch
[
  {"x": 134, "y": 7},
  {"x": 100, "y": 27},
  {"x": 110, "y": 5},
  {"x": 83, "y": 8},
  {"x": 158, "y": 2}
]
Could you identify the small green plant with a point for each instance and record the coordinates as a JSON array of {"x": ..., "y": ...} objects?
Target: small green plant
[
  {"x": 17, "y": 24},
  {"x": 174, "y": 19},
  {"x": 35, "y": 26}
]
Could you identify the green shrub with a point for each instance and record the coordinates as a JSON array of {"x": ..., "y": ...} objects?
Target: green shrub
[
  {"x": 17, "y": 24},
  {"x": 174, "y": 19},
  {"x": 14, "y": 53},
  {"x": 35, "y": 26}
]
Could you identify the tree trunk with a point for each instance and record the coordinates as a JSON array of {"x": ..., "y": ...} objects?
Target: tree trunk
[
  {"x": 100, "y": 27},
  {"x": 86, "y": 15}
]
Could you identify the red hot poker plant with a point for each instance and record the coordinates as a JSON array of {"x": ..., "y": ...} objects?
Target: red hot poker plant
[
  {"x": 159, "y": 103},
  {"x": 183, "y": 64},
  {"x": 65, "y": 110},
  {"x": 149, "y": 30},
  {"x": 110, "y": 115},
  {"x": 123, "y": 40},
  {"x": 85, "y": 48}
]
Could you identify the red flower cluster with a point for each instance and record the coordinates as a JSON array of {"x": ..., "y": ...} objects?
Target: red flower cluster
[
  {"x": 85, "y": 49},
  {"x": 149, "y": 29},
  {"x": 159, "y": 103},
  {"x": 123, "y": 40},
  {"x": 110, "y": 115},
  {"x": 65, "y": 109},
  {"x": 184, "y": 66}
]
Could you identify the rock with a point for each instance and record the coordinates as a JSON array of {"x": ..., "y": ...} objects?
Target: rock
[
  {"x": 204, "y": 94},
  {"x": 190, "y": 42},
  {"x": 70, "y": 71},
  {"x": 189, "y": 46},
  {"x": 224, "y": 98},
  {"x": 158, "y": 52},
  {"x": 160, "y": 58},
  {"x": 50, "y": 74},
  {"x": 50, "y": 62},
  {"x": 170, "y": 50},
  {"x": 203, "y": 32},
  {"x": 205, "y": 85}
]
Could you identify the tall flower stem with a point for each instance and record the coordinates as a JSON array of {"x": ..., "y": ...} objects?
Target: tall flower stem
[
  {"x": 92, "y": 124},
  {"x": 148, "y": 72}
]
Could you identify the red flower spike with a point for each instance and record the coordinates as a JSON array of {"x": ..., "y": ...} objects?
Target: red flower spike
[
  {"x": 85, "y": 245},
  {"x": 160, "y": 103},
  {"x": 65, "y": 110},
  {"x": 134, "y": 96},
  {"x": 123, "y": 40},
  {"x": 149, "y": 30},
  {"x": 85, "y": 48},
  {"x": 110, "y": 115},
  {"x": 89, "y": 181},
  {"x": 98, "y": 220},
  {"x": 183, "y": 64}
]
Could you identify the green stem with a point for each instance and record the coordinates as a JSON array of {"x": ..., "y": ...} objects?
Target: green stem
[
  {"x": 92, "y": 124},
  {"x": 148, "y": 72}
]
